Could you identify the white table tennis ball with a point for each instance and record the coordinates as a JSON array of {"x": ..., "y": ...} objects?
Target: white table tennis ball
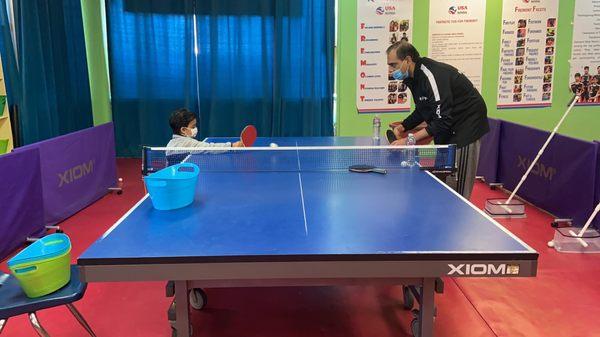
[
  {"x": 273, "y": 145},
  {"x": 404, "y": 163},
  {"x": 551, "y": 243}
]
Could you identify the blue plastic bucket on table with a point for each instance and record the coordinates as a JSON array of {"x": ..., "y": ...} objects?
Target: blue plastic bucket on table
[{"x": 173, "y": 187}]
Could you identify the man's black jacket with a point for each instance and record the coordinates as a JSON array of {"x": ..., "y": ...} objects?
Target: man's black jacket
[{"x": 445, "y": 98}]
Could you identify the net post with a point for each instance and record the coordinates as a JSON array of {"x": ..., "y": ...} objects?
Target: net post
[
  {"x": 145, "y": 149},
  {"x": 452, "y": 156}
]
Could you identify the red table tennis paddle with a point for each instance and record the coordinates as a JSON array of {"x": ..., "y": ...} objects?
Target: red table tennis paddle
[{"x": 248, "y": 135}]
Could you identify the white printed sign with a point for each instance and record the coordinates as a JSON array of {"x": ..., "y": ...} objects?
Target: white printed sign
[
  {"x": 380, "y": 23},
  {"x": 527, "y": 50},
  {"x": 456, "y": 31},
  {"x": 585, "y": 57}
]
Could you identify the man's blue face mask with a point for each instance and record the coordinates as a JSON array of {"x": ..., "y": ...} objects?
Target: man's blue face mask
[{"x": 400, "y": 75}]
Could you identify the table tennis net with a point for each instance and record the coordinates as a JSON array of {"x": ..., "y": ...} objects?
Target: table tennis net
[{"x": 296, "y": 159}]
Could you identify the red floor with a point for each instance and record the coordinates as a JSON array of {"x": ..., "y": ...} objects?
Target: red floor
[{"x": 564, "y": 300}]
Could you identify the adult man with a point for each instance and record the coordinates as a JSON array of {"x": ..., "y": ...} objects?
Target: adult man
[{"x": 446, "y": 100}]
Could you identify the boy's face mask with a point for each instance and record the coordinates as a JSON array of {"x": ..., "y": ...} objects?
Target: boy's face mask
[{"x": 192, "y": 132}]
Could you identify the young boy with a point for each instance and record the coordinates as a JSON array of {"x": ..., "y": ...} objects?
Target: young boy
[
  {"x": 183, "y": 122},
  {"x": 577, "y": 87},
  {"x": 594, "y": 89}
]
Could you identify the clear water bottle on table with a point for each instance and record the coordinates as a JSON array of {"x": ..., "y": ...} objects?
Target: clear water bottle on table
[
  {"x": 410, "y": 153},
  {"x": 376, "y": 127}
]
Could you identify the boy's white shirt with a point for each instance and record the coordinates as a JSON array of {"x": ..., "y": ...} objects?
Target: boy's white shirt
[{"x": 182, "y": 141}]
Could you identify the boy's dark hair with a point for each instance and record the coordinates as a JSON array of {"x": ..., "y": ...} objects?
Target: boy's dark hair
[
  {"x": 577, "y": 75},
  {"x": 404, "y": 49},
  {"x": 180, "y": 118},
  {"x": 586, "y": 67}
]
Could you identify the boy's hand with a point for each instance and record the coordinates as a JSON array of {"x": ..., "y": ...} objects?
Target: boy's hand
[{"x": 237, "y": 144}]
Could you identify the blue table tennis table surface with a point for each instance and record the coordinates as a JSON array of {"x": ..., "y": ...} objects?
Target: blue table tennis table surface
[{"x": 308, "y": 216}]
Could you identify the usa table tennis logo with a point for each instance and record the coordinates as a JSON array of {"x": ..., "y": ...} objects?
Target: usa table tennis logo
[
  {"x": 458, "y": 10},
  {"x": 479, "y": 269}
]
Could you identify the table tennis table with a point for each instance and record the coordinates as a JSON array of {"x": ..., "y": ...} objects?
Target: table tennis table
[{"x": 310, "y": 227}]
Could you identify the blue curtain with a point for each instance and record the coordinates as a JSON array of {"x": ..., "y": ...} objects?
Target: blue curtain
[
  {"x": 47, "y": 74},
  {"x": 235, "y": 62},
  {"x": 152, "y": 68},
  {"x": 12, "y": 80}
]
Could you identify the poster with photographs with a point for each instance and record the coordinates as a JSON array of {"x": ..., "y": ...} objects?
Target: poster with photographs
[
  {"x": 585, "y": 57},
  {"x": 380, "y": 24},
  {"x": 527, "y": 50},
  {"x": 456, "y": 35}
]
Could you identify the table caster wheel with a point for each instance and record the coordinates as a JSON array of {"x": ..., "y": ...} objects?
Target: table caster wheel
[
  {"x": 407, "y": 298},
  {"x": 198, "y": 298}
]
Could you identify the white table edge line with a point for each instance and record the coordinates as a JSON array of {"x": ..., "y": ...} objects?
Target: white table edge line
[
  {"x": 487, "y": 216},
  {"x": 108, "y": 231}
]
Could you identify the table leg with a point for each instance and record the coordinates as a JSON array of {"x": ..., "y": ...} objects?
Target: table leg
[
  {"x": 182, "y": 324},
  {"x": 426, "y": 312}
]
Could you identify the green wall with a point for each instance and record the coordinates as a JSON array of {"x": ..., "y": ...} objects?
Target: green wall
[
  {"x": 96, "y": 57},
  {"x": 583, "y": 122}
]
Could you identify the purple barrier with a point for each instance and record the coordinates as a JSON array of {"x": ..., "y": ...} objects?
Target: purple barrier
[
  {"x": 562, "y": 180},
  {"x": 21, "y": 203},
  {"x": 488, "y": 156},
  {"x": 77, "y": 169}
]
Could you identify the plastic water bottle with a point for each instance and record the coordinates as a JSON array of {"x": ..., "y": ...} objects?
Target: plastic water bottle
[
  {"x": 376, "y": 127},
  {"x": 410, "y": 153}
]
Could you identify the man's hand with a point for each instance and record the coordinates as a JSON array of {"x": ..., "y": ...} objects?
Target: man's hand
[
  {"x": 398, "y": 130},
  {"x": 392, "y": 125},
  {"x": 400, "y": 142},
  {"x": 237, "y": 144}
]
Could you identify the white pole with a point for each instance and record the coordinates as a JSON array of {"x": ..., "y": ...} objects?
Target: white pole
[
  {"x": 514, "y": 192},
  {"x": 587, "y": 225}
]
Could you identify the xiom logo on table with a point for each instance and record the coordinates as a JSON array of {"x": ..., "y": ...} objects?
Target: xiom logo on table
[
  {"x": 478, "y": 269},
  {"x": 76, "y": 172}
]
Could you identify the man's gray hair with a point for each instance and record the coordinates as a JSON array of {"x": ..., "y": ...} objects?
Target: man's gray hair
[{"x": 404, "y": 49}]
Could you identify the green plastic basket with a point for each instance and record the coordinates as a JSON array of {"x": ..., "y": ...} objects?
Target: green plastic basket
[
  {"x": 42, "y": 278},
  {"x": 3, "y": 146},
  {"x": 44, "y": 266}
]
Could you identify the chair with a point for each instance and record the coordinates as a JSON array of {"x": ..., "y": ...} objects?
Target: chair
[{"x": 13, "y": 301}]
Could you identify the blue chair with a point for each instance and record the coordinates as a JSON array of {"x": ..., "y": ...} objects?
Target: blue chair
[{"x": 13, "y": 301}]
